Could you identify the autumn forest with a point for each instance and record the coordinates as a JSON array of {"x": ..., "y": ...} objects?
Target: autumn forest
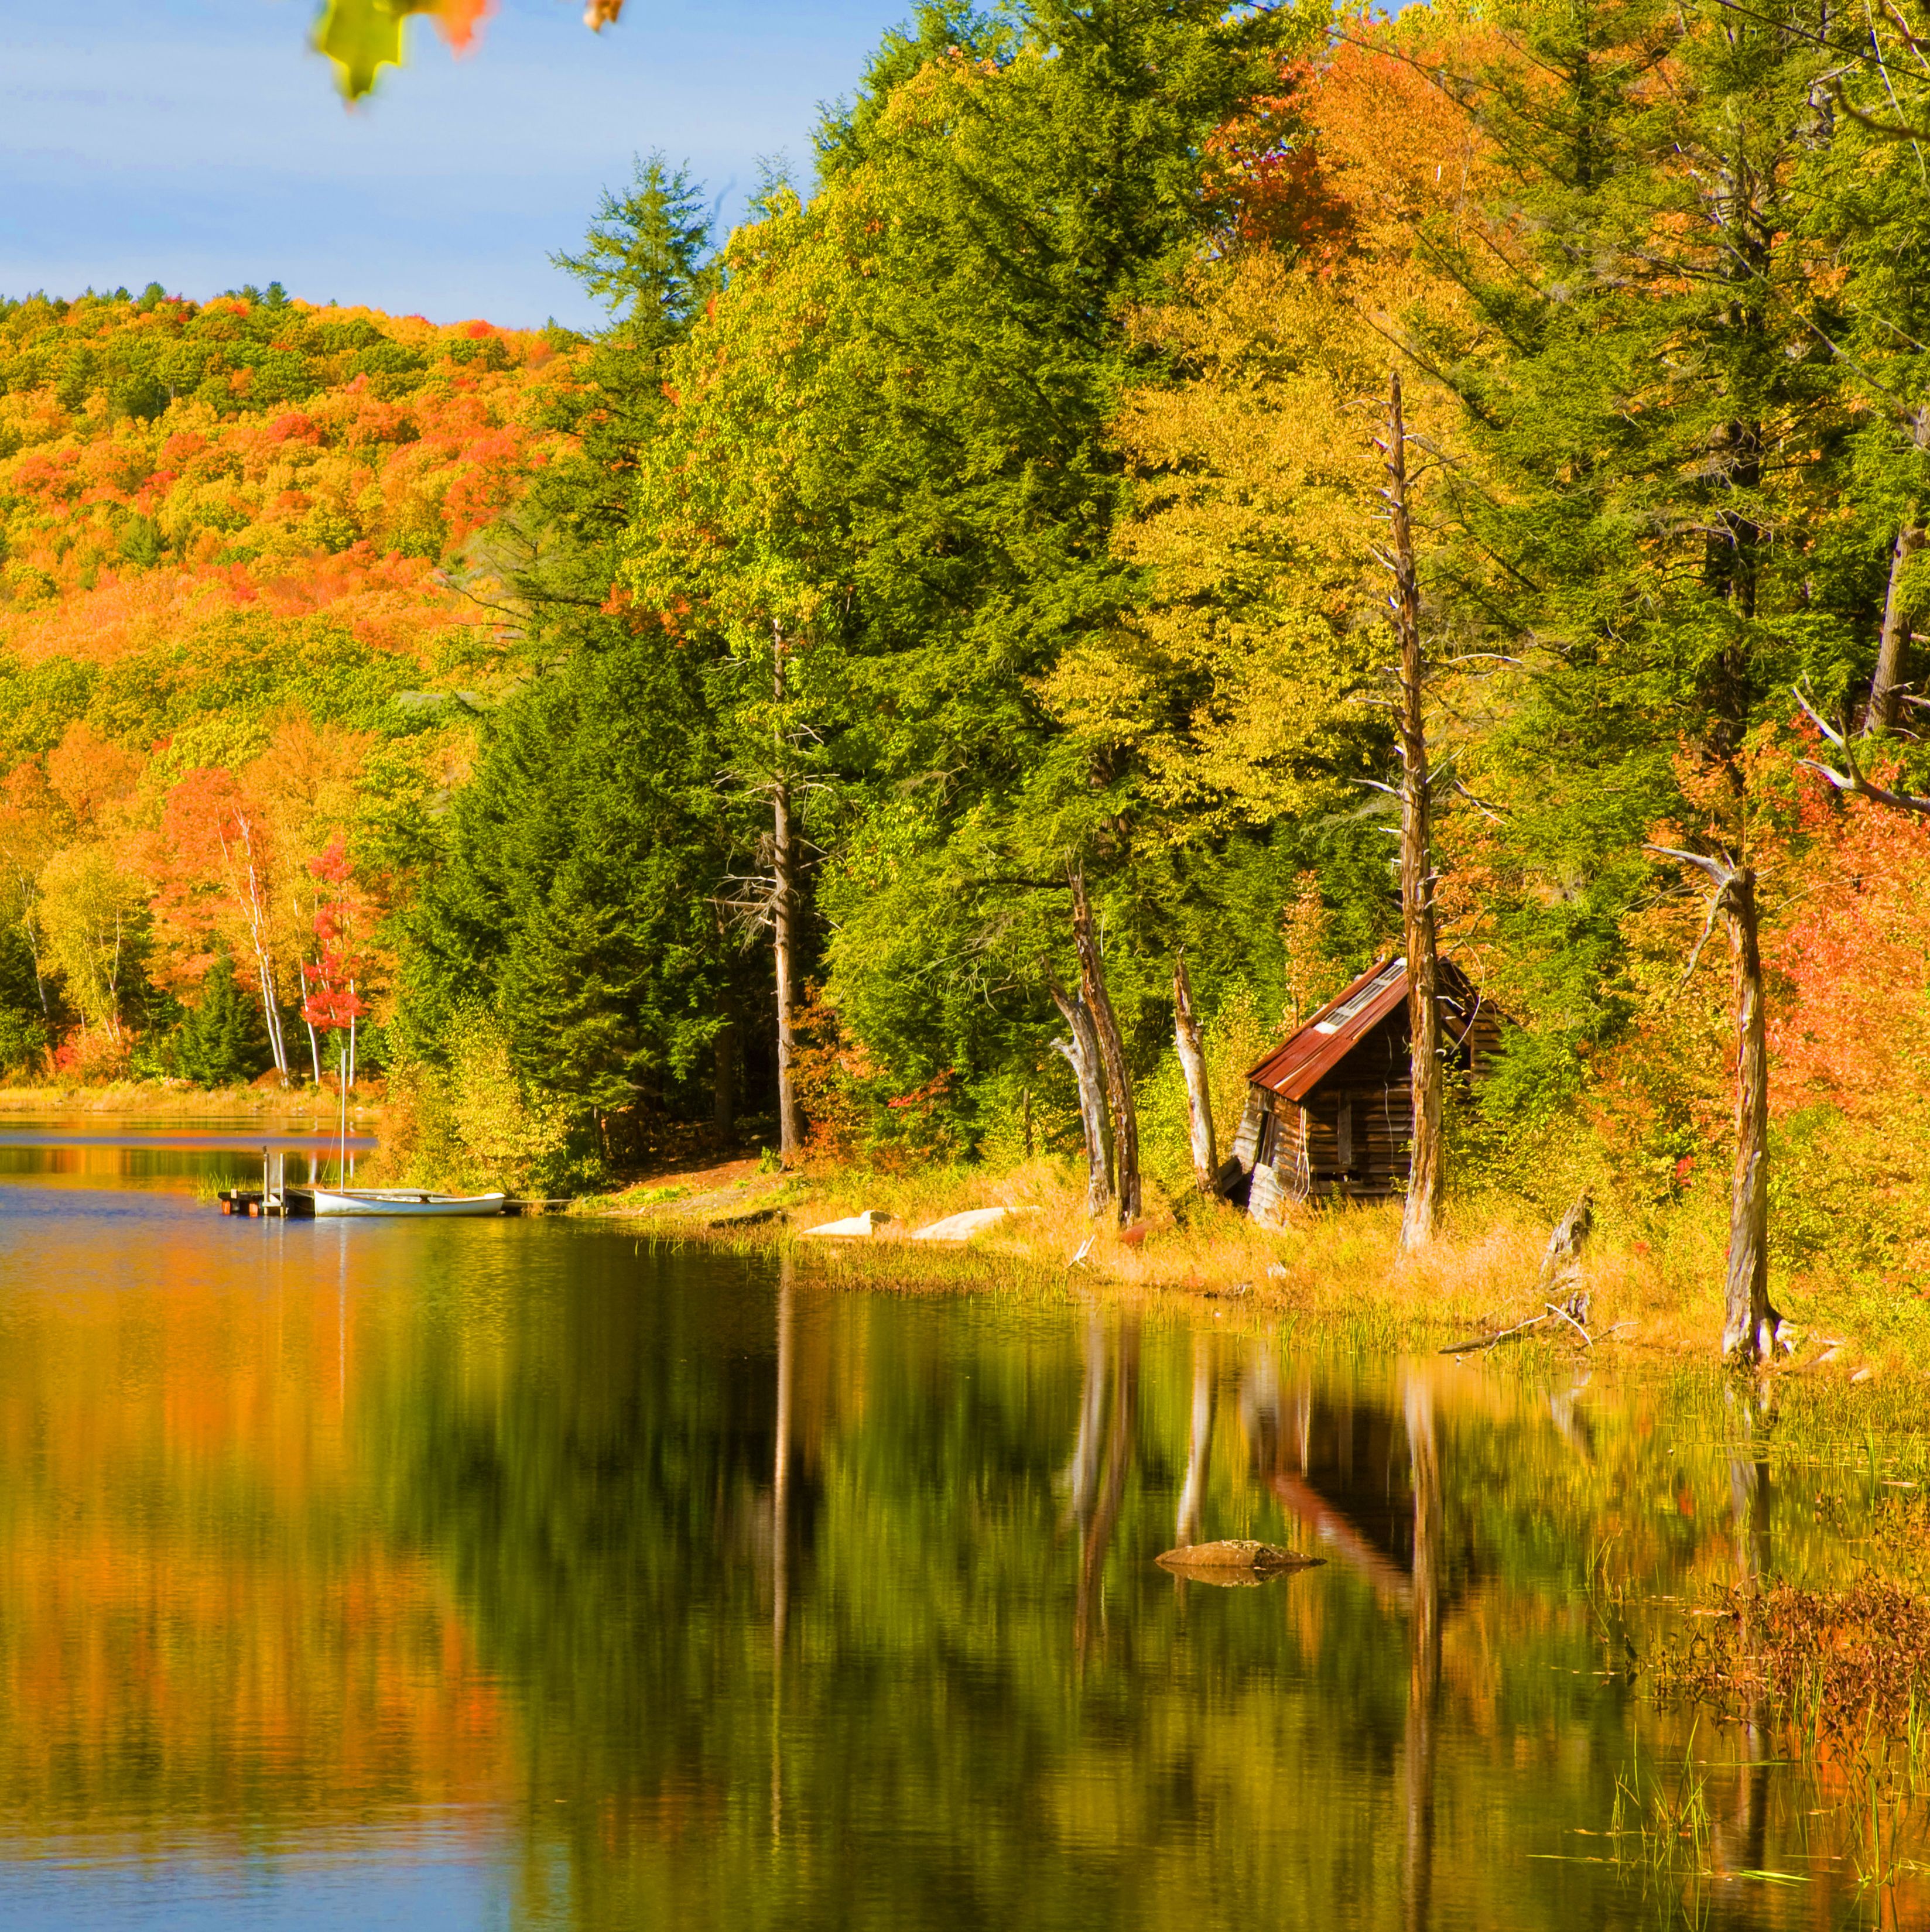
[{"x": 997, "y": 522}]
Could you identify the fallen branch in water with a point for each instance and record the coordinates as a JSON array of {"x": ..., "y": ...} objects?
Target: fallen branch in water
[
  {"x": 1551, "y": 1311},
  {"x": 1484, "y": 1342}
]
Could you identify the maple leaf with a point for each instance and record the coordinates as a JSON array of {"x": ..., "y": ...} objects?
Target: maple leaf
[
  {"x": 362, "y": 36},
  {"x": 457, "y": 20}
]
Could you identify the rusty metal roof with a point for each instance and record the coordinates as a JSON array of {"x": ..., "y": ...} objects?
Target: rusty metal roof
[
  {"x": 1294, "y": 1069},
  {"x": 1298, "y": 1065}
]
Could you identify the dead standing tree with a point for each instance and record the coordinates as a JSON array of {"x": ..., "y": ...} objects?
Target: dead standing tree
[
  {"x": 766, "y": 901},
  {"x": 1902, "y": 593},
  {"x": 1112, "y": 1052},
  {"x": 1187, "y": 1040},
  {"x": 1749, "y": 1323},
  {"x": 1886, "y": 684},
  {"x": 1082, "y": 1055},
  {"x": 1097, "y": 1058},
  {"x": 1417, "y": 871},
  {"x": 784, "y": 916},
  {"x": 1852, "y": 780}
]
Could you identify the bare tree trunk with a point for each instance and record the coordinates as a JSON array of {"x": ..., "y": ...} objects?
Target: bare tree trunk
[
  {"x": 257, "y": 910},
  {"x": 1112, "y": 1052},
  {"x": 30, "y": 927},
  {"x": 1199, "y": 1097},
  {"x": 1082, "y": 1054},
  {"x": 790, "y": 1119},
  {"x": 1748, "y": 1330},
  {"x": 1417, "y": 873},
  {"x": 1560, "y": 1278},
  {"x": 1749, "y": 1323},
  {"x": 1881, "y": 715}
]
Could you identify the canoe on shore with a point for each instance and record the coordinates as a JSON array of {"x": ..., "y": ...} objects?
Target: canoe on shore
[{"x": 327, "y": 1203}]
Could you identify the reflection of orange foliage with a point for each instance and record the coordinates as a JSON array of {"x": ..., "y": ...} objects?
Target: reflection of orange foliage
[{"x": 276, "y": 1659}]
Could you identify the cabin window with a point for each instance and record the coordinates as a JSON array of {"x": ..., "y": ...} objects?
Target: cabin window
[
  {"x": 1269, "y": 1132},
  {"x": 1361, "y": 1000}
]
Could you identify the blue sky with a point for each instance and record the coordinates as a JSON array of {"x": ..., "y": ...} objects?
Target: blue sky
[{"x": 200, "y": 144}]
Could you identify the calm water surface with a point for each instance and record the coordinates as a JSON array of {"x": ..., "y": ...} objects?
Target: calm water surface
[{"x": 501, "y": 1574}]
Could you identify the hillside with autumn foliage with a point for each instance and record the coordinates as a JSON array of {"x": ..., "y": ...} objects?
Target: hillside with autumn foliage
[
  {"x": 969, "y": 580},
  {"x": 234, "y": 610}
]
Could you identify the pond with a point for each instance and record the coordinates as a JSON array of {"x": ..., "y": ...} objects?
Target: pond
[{"x": 509, "y": 1573}]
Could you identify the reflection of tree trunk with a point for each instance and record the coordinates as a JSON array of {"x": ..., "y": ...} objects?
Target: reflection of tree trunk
[
  {"x": 1084, "y": 1473},
  {"x": 1260, "y": 1410},
  {"x": 1423, "y": 1672},
  {"x": 1112, "y": 1484},
  {"x": 1199, "y": 1097},
  {"x": 780, "y": 1536},
  {"x": 780, "y": 1481},
  {"x": 1199, "y": 1447},
  {"x": 1112, "y": 1052},
  {"x": 1082, "y": 1054},
  {"x": 1751, "y": 1501}
]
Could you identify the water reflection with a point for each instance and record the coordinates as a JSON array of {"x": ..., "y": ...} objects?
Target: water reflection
[{"x": 562, "y": 1583}]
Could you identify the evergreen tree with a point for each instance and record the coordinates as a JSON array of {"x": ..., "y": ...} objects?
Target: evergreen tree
[
  {"x": 1662, "y": 418},
  {"x": 890, "y": 464},
  {"x": 220, "y": 1041},
  {"x": 579, "y": 898}
]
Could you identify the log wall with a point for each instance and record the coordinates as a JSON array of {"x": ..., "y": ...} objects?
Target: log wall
[{"x": 1350, "y": 1139}]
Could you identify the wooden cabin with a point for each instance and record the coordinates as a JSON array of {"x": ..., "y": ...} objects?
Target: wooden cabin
[{"x": 1328, "y": 1111}]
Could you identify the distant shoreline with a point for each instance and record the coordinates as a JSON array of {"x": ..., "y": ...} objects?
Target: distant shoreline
[{"x": 147, "y": 1100}]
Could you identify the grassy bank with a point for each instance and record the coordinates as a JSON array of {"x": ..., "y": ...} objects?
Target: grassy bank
[{"x": 1655, "y": 1287}]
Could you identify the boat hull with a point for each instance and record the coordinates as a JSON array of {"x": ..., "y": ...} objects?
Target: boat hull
[{"x": 389, "y": 1203}]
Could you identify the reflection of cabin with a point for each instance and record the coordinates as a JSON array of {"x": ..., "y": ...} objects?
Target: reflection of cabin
[
  {"x": 1343, "y": 1466},
  {"x": 1328, "y": 1111}
]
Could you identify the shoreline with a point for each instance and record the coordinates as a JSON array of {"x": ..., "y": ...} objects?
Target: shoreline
[
  {"x": 1337, "y": 1271},
  {"x": 1655, "y": 1287},
  {"x": 145, "y": 1100}
]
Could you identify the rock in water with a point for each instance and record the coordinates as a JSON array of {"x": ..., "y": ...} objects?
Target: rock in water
[{"x": 1234, "y": 1562}]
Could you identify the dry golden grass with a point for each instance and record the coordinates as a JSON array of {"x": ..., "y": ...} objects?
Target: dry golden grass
[{"x": 1336, "y": 1269}]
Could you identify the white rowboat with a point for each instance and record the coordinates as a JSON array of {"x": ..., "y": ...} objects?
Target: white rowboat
[{"x": 392, "y": 1201}]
